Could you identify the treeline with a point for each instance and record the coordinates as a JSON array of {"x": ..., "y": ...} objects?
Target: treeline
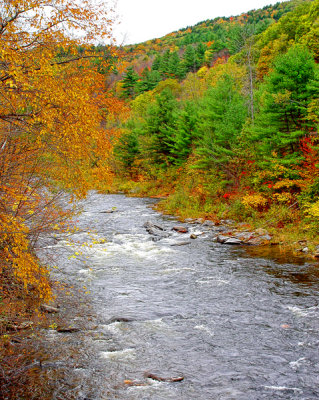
[{"x": 239, "y": 137}]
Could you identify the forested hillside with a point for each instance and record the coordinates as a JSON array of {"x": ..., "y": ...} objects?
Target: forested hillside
[{"x": 224, "y": 118}]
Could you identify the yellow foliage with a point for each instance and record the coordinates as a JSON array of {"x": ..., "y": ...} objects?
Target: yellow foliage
[
  {"x": 287, "y": 183},
  {"x": 313, "y": 209},
  {"x": 284, "y": 197},
  {"x": 50, "y": 120},
  {"x": 255, "y": 201},
  {"x": 202, "y": 72},
  {"x": 230, "y": 68}
]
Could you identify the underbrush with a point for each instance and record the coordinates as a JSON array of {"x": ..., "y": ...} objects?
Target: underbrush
[{"x": 191, "y": 194}]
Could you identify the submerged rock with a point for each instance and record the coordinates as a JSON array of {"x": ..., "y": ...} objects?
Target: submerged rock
[{"x": 119, "y": 319}]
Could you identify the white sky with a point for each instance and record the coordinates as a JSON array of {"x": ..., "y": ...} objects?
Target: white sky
[{"x": 142, "y": 20}]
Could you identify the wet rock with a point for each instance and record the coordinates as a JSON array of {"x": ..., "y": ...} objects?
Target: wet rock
[
  {"x": 259, "y": 240},
  {"x": 233, "y": 241},
  {"x": 265, "y": 238},
  {"x": 156, "y": 230},
  {"x": 160, "y": 379},
  {"x": 16, "y": 340},
  {"x": 222, "y": 239},
  {"x": 244, "y": 236},
  {"x": 150, "y": 225},
  {"x": 49, "y": 309},
  {"x": 68, "y": 329},
  {"x": 118, "y": 319},
  {"x": 209, "y": 223},
  {"x": 221, "y": 229},
  {"x": 23, "y": 325},
  {"x": 180, "y": 229},
  {"x": 193, "y": 236},
  {"x": 227, "y": 222}
]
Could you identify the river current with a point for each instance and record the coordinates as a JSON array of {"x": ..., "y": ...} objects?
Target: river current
[{"x": 234, "y": 325}]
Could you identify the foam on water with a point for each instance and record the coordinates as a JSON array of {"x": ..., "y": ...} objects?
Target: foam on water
[
  {"x": 304, "y": 312},
  {"x": 176, "y": 270},
  {"x": 218, "y": 282},
  {"x": 126, "y": 354},
  {"x": 296, "y": 364},
  {"x": 204, "y": 328},
  {"x": 284, "y": 389}
]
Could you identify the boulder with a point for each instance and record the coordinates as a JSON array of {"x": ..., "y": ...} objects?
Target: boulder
[
  {"x": 180, "y": 229},
  {"x": 244, "y": 236},
  {"x": 233, "y": 241},
  {"x": 209, "y": 223},
  {"x": 67, "y": 329},
  {"x": 156, "y": 230},
  {"x": 222, "y": 239},
  {"x": 49, "y": 309}
]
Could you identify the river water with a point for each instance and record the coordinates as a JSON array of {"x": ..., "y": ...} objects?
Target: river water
[{"x": 235, "y": 325}]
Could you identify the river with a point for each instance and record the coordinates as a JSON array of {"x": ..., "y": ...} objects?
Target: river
[{"x": 234, "y": 325}]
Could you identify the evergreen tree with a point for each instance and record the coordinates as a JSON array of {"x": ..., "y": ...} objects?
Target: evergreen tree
[
  {"x": 190, "y": 59},
  {"x": 185, "y": 132},
  {"x": 200, "y": 52},
  {"x": 127, "y": 150},
  {"x": 164, "y": 66},
  {"x": 282, "y": 120},
  {"x": 221, "y": 119},
  {"x": 160, "y": 128},
  {"x": 174, "y": 67},
  {"x": 129, "y": 83},
  {"x": 157, "y": 63}
]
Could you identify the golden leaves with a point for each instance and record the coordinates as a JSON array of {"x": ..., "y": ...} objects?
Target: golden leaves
[{"x": 51, "y": 96}]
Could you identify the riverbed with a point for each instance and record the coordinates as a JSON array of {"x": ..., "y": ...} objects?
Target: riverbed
[{"x": 233, "y": 324}]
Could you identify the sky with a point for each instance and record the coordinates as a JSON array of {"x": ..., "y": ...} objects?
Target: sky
[{"x": 143, "y": 20}]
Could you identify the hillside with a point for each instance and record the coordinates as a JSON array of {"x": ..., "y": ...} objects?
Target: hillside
[
  {"x": 190, "y": 48},
  {"x": 224, "y": 117}
]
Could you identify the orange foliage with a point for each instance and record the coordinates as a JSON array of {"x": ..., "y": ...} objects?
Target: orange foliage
[{"x": 50, "y": 121}]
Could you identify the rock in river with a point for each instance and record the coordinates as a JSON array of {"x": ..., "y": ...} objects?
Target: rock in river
[{"x": 180, "y": 229}]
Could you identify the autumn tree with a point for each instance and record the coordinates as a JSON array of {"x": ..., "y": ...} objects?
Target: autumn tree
[{"x": 50, "y": 120}]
